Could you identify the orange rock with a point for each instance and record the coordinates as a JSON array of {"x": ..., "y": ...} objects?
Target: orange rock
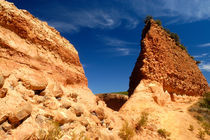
[
  {"x": 20, "y": 114},
  {"x": 3, "y": 118},
  {"x": 6, "y": 126},
  {"x": 3, "y": 92},
  {"x": 162, "y": 60},
  {"x": 1, "y": 81}
]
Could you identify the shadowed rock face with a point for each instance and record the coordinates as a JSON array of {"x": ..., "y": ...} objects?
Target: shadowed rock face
[
  {"x": 113, "y": 101},
  {"x": 162, "y": 60}
]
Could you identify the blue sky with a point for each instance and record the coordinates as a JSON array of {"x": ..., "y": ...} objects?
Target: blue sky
[{"x": 107, "y": 33}]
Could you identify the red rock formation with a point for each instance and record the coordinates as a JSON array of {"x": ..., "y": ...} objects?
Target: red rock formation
[{"x": 163, "y": 61}]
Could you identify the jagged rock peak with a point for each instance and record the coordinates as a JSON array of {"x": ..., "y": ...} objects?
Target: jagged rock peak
[{"x": 162, "y": 59}]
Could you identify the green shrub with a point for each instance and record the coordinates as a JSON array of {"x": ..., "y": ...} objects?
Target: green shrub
[
  {"x": 143, "y": 121},
  {"x": 201, "y": 111},
  {"x": 177, "y": 40},
  {"x": 126, "y": 132},
  {"x": 147, "y": 19},
  {"x": 207, "y": 99},
  {"x": 198, "y": 117},
  {"x": 182, "y": 47},
  {"x": 158, "y": 22},
  {"x": 206, "y": 126},
  {"x": 167, "y": 30},
  {"x": 205, "y": 103},
  {"x": 191, "y": 128},
  {"x": 201, "y": 134},
  {"x": 175, "y": 37},
  {"x": 163, "y": 133},
  {"x": 122, "y": 92},
  {"x": 53, "y": 132},
  {"x": 198, "y": 62}
]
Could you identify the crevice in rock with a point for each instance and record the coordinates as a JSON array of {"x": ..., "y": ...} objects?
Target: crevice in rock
[
  {"x": 58, "y": 98},
  {"x": 113, "y": 101},
  {"x": 172, "y": 97},
  {"x": 3, "y": 92},
  {"x": 39, "y": 92},
  {"x": 15, "y": 125}
]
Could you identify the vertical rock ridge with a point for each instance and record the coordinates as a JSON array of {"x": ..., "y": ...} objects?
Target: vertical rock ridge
[{"x": 162, "y": 60}]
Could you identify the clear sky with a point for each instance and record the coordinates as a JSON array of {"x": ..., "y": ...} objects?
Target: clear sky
[{"x": 107, "y": 33}]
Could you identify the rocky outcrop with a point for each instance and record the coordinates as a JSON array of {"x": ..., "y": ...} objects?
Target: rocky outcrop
[
  {"x": 42, "y": 80},
  {"x": 162, "y": 60}
]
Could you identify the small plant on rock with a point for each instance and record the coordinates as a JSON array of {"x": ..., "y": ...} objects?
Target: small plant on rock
[
  {"x": 53, "y": 132},
  {"x": 147, "y": 19},
  {"x": 163, "y": 133},
  {"x": 126, "y": 132},
  {"x": 143, "y": 121},
  {"x": 191, "y": 128},
  {"x": 198, "y": 62},
  {"x": 175, "y": 37},
  {"x": 158, "y": 22},
  {"x": 200, "y": 111},
  {"x": 201, "y": 134}
]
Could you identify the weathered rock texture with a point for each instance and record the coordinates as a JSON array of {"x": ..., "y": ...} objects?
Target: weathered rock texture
[
  {"x": 163, "y": 61},
  {"x": 42, "y": 80}
]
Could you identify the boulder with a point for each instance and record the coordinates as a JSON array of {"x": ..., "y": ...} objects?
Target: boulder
[
  {"x": 3, "y": 118},
  {"x": 21, "y": 113},
  {"x": 6, "y": 126},
  {"x": 3, "y": 92},
  {"x": 32, "y": 79}
]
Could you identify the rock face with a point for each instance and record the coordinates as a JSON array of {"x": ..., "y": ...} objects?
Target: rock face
[
  {"x": 163, "y": 61},
  {"x": 26, "y": 41},
  {"x": 42, "y": 80}
]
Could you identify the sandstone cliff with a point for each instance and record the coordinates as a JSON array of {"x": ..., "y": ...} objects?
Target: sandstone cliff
[
  {"x": 42, "y": 81},
  {"x": 162, "y": 60}
]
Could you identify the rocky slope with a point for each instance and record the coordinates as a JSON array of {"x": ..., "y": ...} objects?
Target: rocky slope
[
  {"x": 163, "y": 114},
  {"x": 162, "y": 60},
  {"x": 42, "y": 81}
]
